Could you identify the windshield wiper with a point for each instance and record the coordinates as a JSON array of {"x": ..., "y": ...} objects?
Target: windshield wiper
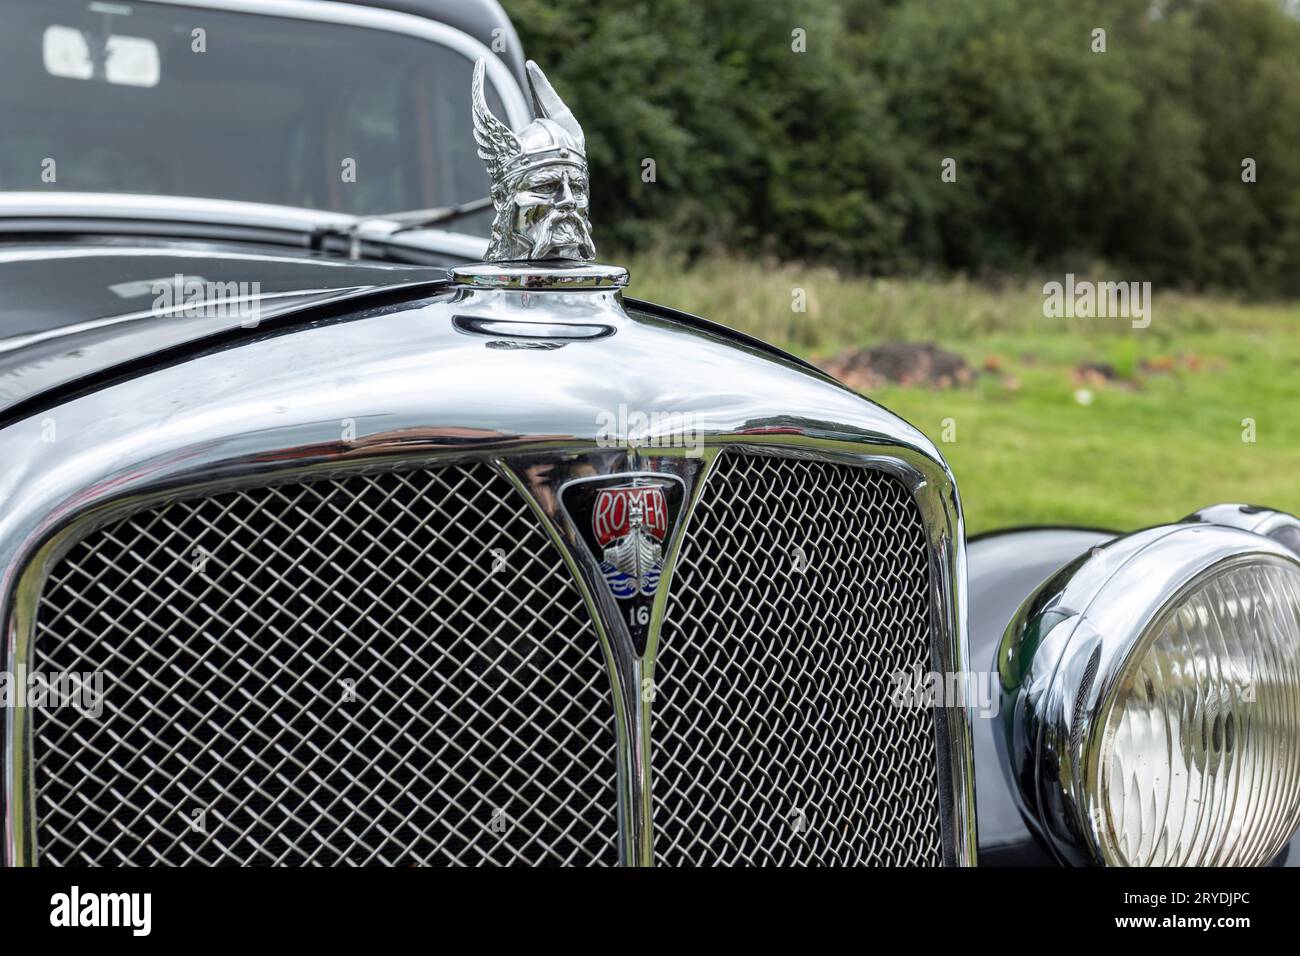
[
  {"x": 428, "y": 218},
  {"x": 383, "y": 227}
]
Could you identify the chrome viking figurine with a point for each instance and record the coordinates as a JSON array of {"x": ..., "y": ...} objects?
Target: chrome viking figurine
[{"x": 539, "y": 177}]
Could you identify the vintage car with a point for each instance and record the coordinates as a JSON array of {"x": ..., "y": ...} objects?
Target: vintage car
[{"x": 338, "y": 535}]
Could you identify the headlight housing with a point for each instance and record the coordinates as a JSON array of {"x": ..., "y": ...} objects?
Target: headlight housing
[{"x": 1153, "y": 700}]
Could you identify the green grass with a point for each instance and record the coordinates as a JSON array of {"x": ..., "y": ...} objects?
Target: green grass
[{"x": 1148, "y": 449}]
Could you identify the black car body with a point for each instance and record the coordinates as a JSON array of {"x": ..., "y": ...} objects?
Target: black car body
[{"x": 317, "y": 531}]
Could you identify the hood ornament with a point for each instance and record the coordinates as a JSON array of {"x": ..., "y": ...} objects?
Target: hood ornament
[{"x": 539, "y": 177}]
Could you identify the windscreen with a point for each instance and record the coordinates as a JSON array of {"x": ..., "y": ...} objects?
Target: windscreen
[{"x": 179, "y": 100}]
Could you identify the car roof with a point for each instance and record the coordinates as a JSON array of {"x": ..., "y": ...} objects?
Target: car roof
[{"x": 477, "y": 18}]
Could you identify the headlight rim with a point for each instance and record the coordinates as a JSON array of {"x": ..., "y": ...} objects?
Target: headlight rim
[{"x": 1096, "y": 611}]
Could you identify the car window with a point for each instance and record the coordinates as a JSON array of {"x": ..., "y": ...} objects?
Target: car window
[{"x": 187, "y": 101}]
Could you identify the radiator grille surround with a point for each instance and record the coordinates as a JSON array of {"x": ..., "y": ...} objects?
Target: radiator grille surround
[
  {"x": 481, "y": 729},
  {"x": 801, "y": 589}
]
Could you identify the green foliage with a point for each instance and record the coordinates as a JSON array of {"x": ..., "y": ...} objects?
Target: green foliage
[{"x": 1066, "y": 157}]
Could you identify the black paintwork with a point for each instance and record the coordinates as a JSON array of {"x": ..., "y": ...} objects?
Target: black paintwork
[
  {"x": 68, "y": 310},
  {"x": 735, "y": 336},
  {"x": 1003, "y": 569},
  {"x": 48, "y": 285}
]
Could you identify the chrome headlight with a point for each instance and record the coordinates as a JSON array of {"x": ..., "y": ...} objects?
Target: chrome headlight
[{"x": 1153, "y": 700}]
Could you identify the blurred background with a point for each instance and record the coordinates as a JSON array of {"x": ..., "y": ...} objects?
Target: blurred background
[{"x": 778, "y": 166}]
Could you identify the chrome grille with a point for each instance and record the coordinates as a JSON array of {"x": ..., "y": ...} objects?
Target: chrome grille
[
  {"x": 480, "y": 729},
  {"x": 801, "y": 589}
]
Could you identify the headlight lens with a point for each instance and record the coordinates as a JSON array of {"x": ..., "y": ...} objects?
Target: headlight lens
[{"x": 1199, "y": 757}]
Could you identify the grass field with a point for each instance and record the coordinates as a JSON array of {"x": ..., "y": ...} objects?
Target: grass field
[{"x": 1036, "y": 442}]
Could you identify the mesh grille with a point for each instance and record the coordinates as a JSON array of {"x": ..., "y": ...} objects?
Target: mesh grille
[
  {"x": 774, "y": 739},
  {"x": 481, "y": 726}
]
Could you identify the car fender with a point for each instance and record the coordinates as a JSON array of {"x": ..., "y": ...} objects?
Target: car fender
[{"x": 1004, "y": 567}]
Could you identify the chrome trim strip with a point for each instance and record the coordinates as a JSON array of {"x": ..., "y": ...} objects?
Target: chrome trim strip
[
  {"x": 390, "y": 21},
  {"x": 166, "y": 208},
  {"x": 629, "y": 667},
  {"x": 418, "y": 391},
  {"x": 220, "y": 212}
]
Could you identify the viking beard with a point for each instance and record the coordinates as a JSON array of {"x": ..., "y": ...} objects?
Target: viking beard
[{"x": 559, "y": 233}]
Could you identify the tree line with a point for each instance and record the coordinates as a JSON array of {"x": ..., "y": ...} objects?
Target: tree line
[{"x": 1158, "y": 139}]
